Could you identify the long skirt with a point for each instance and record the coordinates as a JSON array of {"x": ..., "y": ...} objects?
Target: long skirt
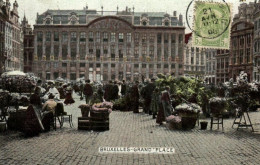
[
  {"x": 160, "y": 116},
  {"x": 69, "y": 99}
]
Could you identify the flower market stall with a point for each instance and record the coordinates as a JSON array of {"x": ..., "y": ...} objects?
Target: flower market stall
[{"x": 98, "y": 119}]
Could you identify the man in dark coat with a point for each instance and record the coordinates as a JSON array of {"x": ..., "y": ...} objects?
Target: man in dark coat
[
  {"x": 114, "y": 91},
  {"x": 108, "y": 90},
  {"x": 88, "y": 91},
  {"x": 123, "y": 88},
  {"x": 147, "y": 94},
  {"x": 134, "y": 96}
]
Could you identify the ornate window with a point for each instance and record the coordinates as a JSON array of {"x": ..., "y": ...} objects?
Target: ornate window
[
  {"x": 64, "y": 36},
  {"x": 48, "y": 21},
  {"x": 98, "y": 36},
  {"x": 90, "y": 36},
  {"x": 121, "y": 37},
  {"x": 56, "y": 36},
  {"x": 105, "y": 37},
  {"x": 82, "y": 37},
  {"x": 73, "y": 36},
  {"x": 113, "y": 37},
  {"x": 48, "y": 36},
  {"x": 128, "y": 37}
]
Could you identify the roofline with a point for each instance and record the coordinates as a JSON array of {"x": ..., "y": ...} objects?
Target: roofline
[{"x": 113, "y": 17}]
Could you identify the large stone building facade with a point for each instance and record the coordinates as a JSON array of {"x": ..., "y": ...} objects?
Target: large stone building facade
[
  {"x": 194, "y": 59},
  {"x": 210, "y": 71},
  {"x": 11, "y": 50},
  {"x": 222, "y": 70},
  {"x": 241, "y": 49},
  {"x": 256, "y": 55},
  {"x": 28, "y": 46},
  {"x": 127, "y": 45}
]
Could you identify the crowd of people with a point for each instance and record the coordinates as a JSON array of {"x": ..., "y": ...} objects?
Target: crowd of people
[{"x": 153, "y": 101}]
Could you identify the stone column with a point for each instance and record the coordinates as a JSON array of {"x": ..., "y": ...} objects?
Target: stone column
[
  {"x": 162, "y": 48},
  {"x": 35, "y": 45},
  {"x": 124, "y": 77},
  {"x": 155, "y": 48},
  {"x": 43, "y": 44},
  {"x": 155, "y": 69},
  {"x": 77, "y": 69},
  {"x": 69, "y": 52},
  {"x": 87, "y": 70},
  {"x": 116, "y": 70},
  {"x": 109, "y": 71},
  {"x": 140, "y": 71},
  {"x": 60, "y": 45},
  {"x": 68, "y": 70},
  {"x": 52, "y": 43},
  {"x": 78, "y": 35},
  {"x": 147, "y": 71},
  {"x": 177, "y": 55},
  {"x": 101, "y": 71}
]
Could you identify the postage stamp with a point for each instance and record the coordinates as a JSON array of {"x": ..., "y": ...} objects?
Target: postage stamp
[{"x": 211, "y": 24}]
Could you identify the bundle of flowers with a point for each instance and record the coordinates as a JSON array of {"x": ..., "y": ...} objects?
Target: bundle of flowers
[
  {"x": 191, "y": 108},
  {"x": 242, "y": 78},
  {"x": 107, "y": 104},
  {"x": 100, "y": 107},
  {"x": 172, "y": 118},
  {"x": 174, "y": 122},
  {"x": 217, "y": 105}
]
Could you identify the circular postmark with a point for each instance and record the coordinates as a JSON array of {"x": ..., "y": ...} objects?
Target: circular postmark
[{"x": 210, "y": 19}]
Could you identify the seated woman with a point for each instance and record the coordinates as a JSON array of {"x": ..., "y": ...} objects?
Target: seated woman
[
  {"x": 48, "y": 112},
  {"x": 69, "y": 99}
]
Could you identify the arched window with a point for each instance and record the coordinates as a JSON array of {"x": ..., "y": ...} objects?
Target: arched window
[
  {"x": 144, "y": 23},
  {"x": 166, "y": 23}
]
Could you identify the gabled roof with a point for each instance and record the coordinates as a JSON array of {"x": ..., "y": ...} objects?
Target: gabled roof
[{"x": 187, "y": 37}]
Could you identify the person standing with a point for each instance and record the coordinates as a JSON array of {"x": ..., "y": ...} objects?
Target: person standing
[
  {"x": 114, "y": 91},
  {"x": 134, "y": 96},
  {"x": 166, "y": 102},
  {"x": 148, "y": 91},
  {"x": 123, "y": 88},
  {"x": 155, "y": 102},
  {"x": 69, "y": 99},
  {"x": 108, "y": 91},
  {"x": 88, "y": 91}
]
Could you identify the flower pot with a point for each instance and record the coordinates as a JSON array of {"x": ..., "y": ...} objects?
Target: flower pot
[{"x": 203, "y": 125}]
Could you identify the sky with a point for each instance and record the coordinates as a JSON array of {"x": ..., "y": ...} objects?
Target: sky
[{"x": 31, "y": 7}]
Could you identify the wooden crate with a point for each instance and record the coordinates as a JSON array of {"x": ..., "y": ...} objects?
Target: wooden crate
[
  {"x": 99, "y": 115},
  {"x": 84, "y": 123},
  {"x": 100, "y": 125}
]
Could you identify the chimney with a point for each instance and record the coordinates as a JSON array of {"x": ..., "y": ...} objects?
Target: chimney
[
  {"x": 174, "y": 13},
  {"x": 180, "y": 19}
]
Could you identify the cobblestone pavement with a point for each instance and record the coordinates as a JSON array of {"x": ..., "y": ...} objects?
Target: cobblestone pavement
[{"x": 71, "y": 146}]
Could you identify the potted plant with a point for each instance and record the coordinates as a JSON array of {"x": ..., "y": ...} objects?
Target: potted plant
[
  {"x": 217, "y": 105},
  {"x": 189, "y": 114}
]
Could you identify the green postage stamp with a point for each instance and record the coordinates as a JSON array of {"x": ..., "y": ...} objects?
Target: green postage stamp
[{"x": 211, "y": 25}]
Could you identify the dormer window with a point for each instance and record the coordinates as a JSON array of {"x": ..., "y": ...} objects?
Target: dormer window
[
  {"x": 144, "y": 23},
  {"x": 166, "y": 23},
  {"x": 48, "y": 22}
]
